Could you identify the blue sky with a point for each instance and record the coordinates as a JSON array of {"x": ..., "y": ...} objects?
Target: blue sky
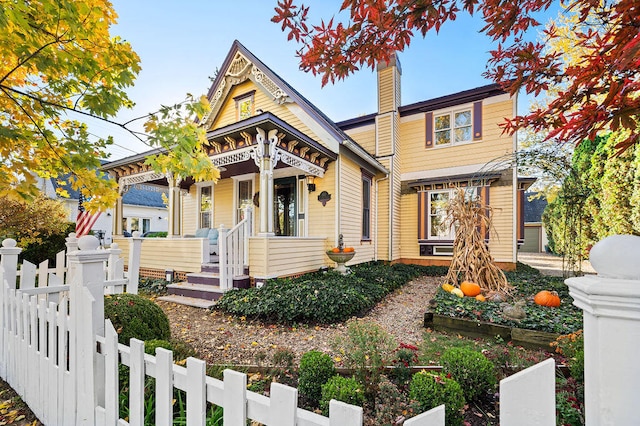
[{"x": 181, "y": 43}]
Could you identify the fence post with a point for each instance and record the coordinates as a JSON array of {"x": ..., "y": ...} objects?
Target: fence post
[
  {"x": 86, "y": 298},
  {"x": 9, "y": 253},
  {"x": 135, "y": 248},
  {"x": 72, "y": 242},
  {"x": 611, "y": 309},
  {"x": 223, "y": 256}
]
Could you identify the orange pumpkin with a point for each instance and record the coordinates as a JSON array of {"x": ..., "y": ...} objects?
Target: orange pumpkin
[
  {"x": 480, "y": 298},
  {"x": 547, "y": 298},
  {"x": 470, "y": 289},
  {"x": 335, "y": 250},
  {"x": 348, "y": 250}
]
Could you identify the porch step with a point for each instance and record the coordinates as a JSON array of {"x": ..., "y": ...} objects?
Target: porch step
[
  {"x": 188, "y": 301},
  {"x": 198, "y": 291},
  {"x": 205, "y": 277},
  {"x": 214, "y": 268}
]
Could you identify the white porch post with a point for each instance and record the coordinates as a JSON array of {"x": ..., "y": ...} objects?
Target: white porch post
[
  {"x": 611, "y": 305},
  {"x": 266, "y": 149},
  {"x": 118, "y": 214},
  {"x": 174, "y": 206}
]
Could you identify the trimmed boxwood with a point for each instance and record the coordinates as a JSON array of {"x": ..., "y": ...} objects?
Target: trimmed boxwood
[
  {"x": 321, "y": 297},
  {"x": 342, "y": 389},
  {"x": 430, "y": 390},
  {"x": 134, "y": 316},
  {"x": 471, "y": 369},
  {"x": 315, "y": 369}
]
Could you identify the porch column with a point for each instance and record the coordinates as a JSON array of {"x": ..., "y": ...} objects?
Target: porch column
[
  {"x": 265, "y": 147},
  {"x": 174, "y": 206},
  {"x": 118, "y": 213}
]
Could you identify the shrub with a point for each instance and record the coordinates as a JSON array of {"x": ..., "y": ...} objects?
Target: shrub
[
  {"x": 49, "y": 247},
  {"x": 472, "y": 370},
  {"x": 315, "y": 369},
  {"x": 571, "y": 346},
  {"x": 390, "y": 404},
  {"x": 320, "y": 297},
  {"x": 343, "y": 389},
  {"x": 134, "y": 316},
  {"x": 430, "y": 390},
  {"x": 154, "y": 286},
  {"x": 366, "y": 348},
  {"x": 404, "y": 357}
]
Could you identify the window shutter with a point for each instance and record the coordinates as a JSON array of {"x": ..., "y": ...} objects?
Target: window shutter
[
  {"x": 477, "y": 121},
  {"x": 423, "y": 215},
  {"x": 429, "y": 130}
]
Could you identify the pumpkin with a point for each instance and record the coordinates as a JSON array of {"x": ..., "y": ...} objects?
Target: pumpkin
[
  {"x": 349, "y": 250},
  {"x": 470, "y": 289},
  {"x": 547, "y": 298},
  {"x": 335, "y": 250},
  {"x": 457, "y": 292},
  {"x": 447, "y": 287},
  {"x": 480, "y": 298}
]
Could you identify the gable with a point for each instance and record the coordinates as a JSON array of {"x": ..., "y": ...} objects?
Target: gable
[{"x": 228, "y": 113}]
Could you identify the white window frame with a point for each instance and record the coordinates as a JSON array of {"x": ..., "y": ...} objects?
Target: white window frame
[
  {"x": 236, "y": 191},
  {"x": 201, "y": 185},
  {"x": 452, "y": 113},
  {"x": 470, "y": 191}
]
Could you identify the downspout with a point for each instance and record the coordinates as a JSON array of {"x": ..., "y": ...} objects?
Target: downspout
[{"x": 514, "y": 241}]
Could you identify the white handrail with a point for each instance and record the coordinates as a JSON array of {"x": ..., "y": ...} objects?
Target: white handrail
[{"x": 234, "y": 250}]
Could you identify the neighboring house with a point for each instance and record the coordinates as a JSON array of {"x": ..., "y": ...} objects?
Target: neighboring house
[
  {"x": 381, "y": 180},
  {"x": 535, "y": 236},
  {"x": 144, "y": 209}
]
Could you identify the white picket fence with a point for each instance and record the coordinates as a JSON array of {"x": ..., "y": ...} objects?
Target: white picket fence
[{"x": 62, "y": 357}]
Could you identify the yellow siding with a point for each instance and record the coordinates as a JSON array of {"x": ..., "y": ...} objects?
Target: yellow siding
[
  {"x": 408, "y": 227},
  {"x": 494, "y": 144},
  {"x": 501, "y": 238},
  {"x": 322, "y": 218},
  {"x": 223, "y": 203},
  {"x": 351, "y": 212},
  {"x": 272, "y": 257},
  {"x": 382, "y": 234},
  {"x": 396, "y": 228},
  {"x": 385, "y": 135},
  {"x": 186, "y": 253},
  {"x": 385, "y": 90},
  {"x": 190, "y": 211},
  {"x": 366, "y": 139}
]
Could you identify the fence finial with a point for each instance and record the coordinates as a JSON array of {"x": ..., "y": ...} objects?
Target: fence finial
[
  {"x": 9, "y": 243},
  {"x": 617, "y": 257}
]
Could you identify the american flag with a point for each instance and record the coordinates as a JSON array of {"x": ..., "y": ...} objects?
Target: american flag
[{"x": 85, "y": 220}]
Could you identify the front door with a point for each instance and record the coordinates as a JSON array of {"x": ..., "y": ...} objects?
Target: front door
[{"x": 285, "y": 207}]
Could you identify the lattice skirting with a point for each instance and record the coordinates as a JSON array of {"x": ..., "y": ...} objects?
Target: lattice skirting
[{"x": 160, "y": 274}]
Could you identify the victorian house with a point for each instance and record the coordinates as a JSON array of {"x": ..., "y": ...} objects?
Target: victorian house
[{"x": 293, "y": 181}]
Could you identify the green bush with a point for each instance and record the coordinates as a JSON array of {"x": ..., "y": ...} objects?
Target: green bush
[
  {"x": 153, "y": 286},
  {"x": 49, "y": 247},
  {"x": 430, "y": 390},
  {"x": 315, "y": 369},
  {"x": 321, "y": 297},
  {"x": 472, "y": 370},
  {"x": 391, "y": 404},
  {"x": 134, "y": 316},
  {"x": 341, "y": 389}
]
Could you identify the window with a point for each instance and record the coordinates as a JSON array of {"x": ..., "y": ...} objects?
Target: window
[
  {"x": 206, "y": 207},
  {"x": 244, "y": 105},
  {"x": 366, "y": 207},
  {"x": 433, "y": 213},
  {"x": 133, "y": 224},
  {"x": 245, "y": 198},
  {"x": 453, "y": 127}
]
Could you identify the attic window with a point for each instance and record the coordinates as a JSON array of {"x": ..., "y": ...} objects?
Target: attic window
[{"x": 245, "y": 105}]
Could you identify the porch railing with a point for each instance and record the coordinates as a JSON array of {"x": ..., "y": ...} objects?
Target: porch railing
[{"x": 234, "y": 249}]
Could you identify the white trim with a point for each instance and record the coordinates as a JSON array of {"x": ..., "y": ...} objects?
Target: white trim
[
  {"x": 514, "y": 183},
  {"x": 412, "y": 117},
  {"x": 236, "y": 182},
  {"x": 451, "y": 234},
  {"x": 361, "y": 129},
  {"x": 199, "y": 186},
  {"x": 323, "y": 135},
  {"x": 451, "y": 112},
  {"x": 497, "y": 99}
]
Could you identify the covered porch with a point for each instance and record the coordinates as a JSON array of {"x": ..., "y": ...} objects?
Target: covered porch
[{"x": 260, "y": 207}]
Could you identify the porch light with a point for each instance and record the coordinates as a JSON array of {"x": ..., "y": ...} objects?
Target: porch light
[
  {"x": 311, "y": 186},
  {"x": 169, "y": 275}
]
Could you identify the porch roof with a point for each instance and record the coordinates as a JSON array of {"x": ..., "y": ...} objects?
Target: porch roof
[{"x": 267, "y": 121}]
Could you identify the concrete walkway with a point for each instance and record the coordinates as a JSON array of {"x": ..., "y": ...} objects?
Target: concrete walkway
[{"x": 549, "y": 264}]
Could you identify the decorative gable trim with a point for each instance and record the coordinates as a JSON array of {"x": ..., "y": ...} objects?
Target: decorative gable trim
[{"x": 239, "y": 70}]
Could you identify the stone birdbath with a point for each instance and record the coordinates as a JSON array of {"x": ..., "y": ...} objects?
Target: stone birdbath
[{"x": 341, "y": 256}]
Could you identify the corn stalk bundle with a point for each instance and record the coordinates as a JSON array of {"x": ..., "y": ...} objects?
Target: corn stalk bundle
[{"x": 471, "y": 258}]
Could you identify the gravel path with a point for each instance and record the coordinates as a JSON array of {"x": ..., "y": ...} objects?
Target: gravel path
[{"x": 223, "y": 339}]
